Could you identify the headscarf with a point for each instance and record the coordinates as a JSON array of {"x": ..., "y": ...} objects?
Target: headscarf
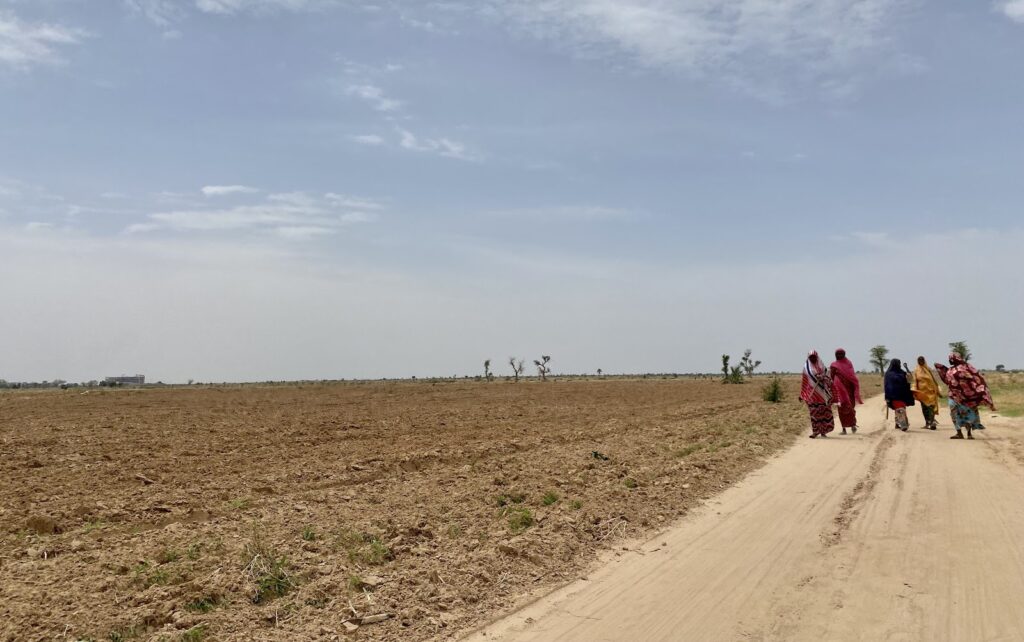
[
  {"x": 844, "y": 380},
  {"x": 966, "y": 385},
  {"x": 815, "y": 384},
  {"x": 895, "y": 365},
  {"x": 926, "y": 386}
]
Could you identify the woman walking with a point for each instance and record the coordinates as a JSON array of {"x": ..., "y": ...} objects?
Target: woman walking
[
  {"x": 926, "y": 390},
  {"x": 846, "y": 390},
  {"x": 816, "y": 392},
  {"x": 967, "y": 392},
  {"x": 897, "y": 393}
]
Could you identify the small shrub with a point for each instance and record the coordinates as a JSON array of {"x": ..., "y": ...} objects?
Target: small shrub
[
  {"x": 308, "y": 534},
  {"x": 550, "y": 498},
  {"x": 510, "y": 498},
  {"x": 168, "y": 555},
  {"x": 192, "y": 552},
  {"x": 267, "y": 569},
  {"x": 576, "y": 504},
  {"x": 240, "y": 504},
  {"x": 519, "y": 519},
  {"x": 688, "y": 450},
  {"x": 195, "y": 634},
  {"x": 203, "y": 604},
  {"x": 454, "y": 531},
  {"x": 772, "y": 391},
  {"x": 122, "y": 635},
  {"x": 630, "y": 483}
]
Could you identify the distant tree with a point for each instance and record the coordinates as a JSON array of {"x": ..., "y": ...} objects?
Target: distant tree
[
  {"x": 599, "y": 372},
  {"x": 747, "y": 364},
  {"x": 1000, "y": 368},
  {"x": 191, "y": 381},
  {"x": 731, "y": 374},
  {"x": 542, "y": 367},
  {"x": 517, "y": 367},
  {"x": 879, "y": 357},
  {"x": 960, "y": 348},
  {"x": 487, "y": 370}
]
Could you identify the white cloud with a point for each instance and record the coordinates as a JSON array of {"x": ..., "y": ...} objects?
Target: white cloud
[
  {"x": 24, "y": 45},
  {"x": 160, "y": 12},
  {"x": 341, "y": 200},
  {"x": 227, "y": 190},
  {"x": 375, "y": 97},
  {"x": 740, "y": 42},
  {"x": 440, "y": 146},
  {"x": 228, "y": 7},
  {"x": 371, "y": 140},
  {"x": 566, "y": 213},
  {"x": 291, "y": 215},
  {"x": 1013, "y": 9}
]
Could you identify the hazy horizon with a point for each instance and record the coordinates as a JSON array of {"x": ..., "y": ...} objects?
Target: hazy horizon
[{"x": 250, "y": 190}]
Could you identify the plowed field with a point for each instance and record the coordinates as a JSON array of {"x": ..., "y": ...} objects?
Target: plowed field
[{"x": 299, "y": 512}]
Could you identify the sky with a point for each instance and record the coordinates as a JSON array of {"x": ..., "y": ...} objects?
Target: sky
[{"x": 248, "y": 190}]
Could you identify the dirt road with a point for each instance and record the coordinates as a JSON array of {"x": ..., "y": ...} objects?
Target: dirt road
[{"x": 878, "y": 536}]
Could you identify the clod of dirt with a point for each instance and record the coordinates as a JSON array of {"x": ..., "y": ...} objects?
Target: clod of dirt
[{"x": 43, "y": 525}]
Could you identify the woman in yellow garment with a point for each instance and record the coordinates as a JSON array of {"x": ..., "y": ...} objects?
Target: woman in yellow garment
[{"x": 926, "y": 390}]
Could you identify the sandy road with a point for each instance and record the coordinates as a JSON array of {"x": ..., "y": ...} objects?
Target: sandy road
[{"x": 878, "y": 536}]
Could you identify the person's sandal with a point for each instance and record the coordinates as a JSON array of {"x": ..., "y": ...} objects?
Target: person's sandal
[
  {"x": 844, "y": 431},
  {"x": 854, "y": 429},
  {"x": 958, "y": 435}
]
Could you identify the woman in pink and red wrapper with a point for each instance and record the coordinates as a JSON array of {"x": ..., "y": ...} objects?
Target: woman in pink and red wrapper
[
  {"x": 846, "y": 390},
  {"x": 816, "y": 392}
]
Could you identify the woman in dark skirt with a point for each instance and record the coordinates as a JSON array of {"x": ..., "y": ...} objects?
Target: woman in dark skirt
[
  {"x": 816, "y": 392},
  {"x": 898, "y": 394}
]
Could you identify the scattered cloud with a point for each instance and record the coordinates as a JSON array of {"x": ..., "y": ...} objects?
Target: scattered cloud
[
  {"x": 353, "y": 202},
  {"x": 1013, "y": 9},
  {"x": 375, "y": 97},
  {"x": 441, "y": 146},
  {"x": 25, "y": 45},
  {"x": 227, "y": 190},
  {"x": 160, "y": 12},
  {"x": 739, "y": 42},
  {"x": 368, "y": 139},
  {"x": 567, "y": 213},
  {"x": 288, "y": 215}
]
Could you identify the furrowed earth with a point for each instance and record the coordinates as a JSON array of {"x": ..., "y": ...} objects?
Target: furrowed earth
[{"x": 383, "y": 510}]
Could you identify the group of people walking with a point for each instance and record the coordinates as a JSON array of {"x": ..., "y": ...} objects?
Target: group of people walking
[{"x": 822, "y": 387}]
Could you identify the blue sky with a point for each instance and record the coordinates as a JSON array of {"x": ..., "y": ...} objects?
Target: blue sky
[{"x": 270, "y": 189}]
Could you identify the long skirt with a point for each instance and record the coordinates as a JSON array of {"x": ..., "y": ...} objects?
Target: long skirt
[
  {"x": 929, "y": 412},
  {"x": 847, "y": 415},
  {"x": 964, "y": 416},
  {"x": 822, "y": 421}
]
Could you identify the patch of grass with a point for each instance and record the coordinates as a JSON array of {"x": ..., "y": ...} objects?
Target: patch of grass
[
  {"x": 510, "y": 498},
  {"x": 550, "y": 497},
  {"x": 308, "y": 534},
  {"x": 355, "y": 582},
  {"x": 203, "y": 604},
  {"x": 196, "y": 634},
  {"x": 121, "y": 635},
  {"x": 168, "y": 555},
  {"x": 576, "y": 504},
  {"x": 193, "y": 551},
  {"x": 454, "y": 531},
  {"x": 630, "y": 483},
  {"x": 93, "y": 525},
  {"x": 240, "y": 504},
  {"x": 365, "y": 549},
  {"x": 688, "y": 450},
  {"x": 267, "y": 568},
  {"x": 1008, "y": 393},
  {"x": 519, "y": 519}
]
